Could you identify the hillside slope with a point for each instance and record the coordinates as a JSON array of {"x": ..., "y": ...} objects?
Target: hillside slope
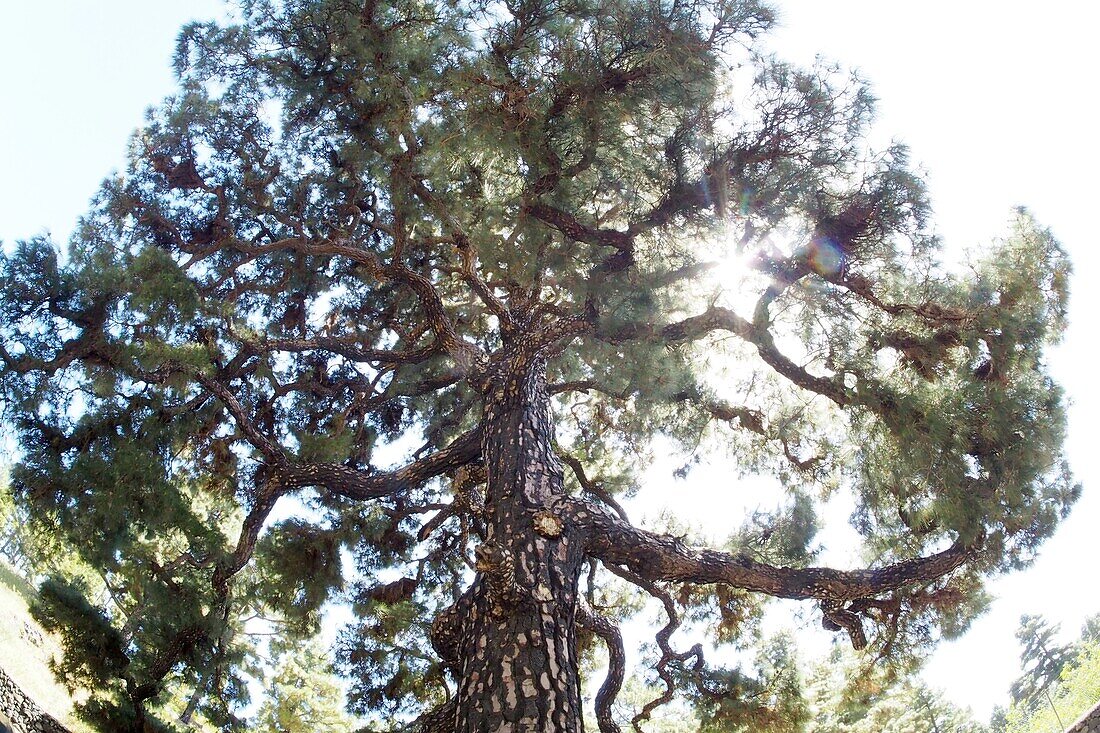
[{"x": 25, "y": 652}]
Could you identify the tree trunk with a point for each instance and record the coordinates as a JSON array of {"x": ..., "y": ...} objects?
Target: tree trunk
[{"x": 514, "y": 640}]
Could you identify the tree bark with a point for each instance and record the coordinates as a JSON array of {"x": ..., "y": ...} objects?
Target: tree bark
[{"x": 511, "y": 639}]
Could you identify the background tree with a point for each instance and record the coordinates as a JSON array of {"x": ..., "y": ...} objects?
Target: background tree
[
  {"x": 1042, "y": 660},
  {"x": 1090, "y": 630},
  {"x": 850, "y": 694},
  {"x": 303, "y": 694},
  {"x": 30, "y": 547},
  {"x": 12, "y": 539},
  {"x": 415, "y": 283},
  {"x": 1075, "y": 691}
]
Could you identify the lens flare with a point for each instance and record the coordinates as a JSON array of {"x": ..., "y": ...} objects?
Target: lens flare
[{"x": 825, "y": 256}]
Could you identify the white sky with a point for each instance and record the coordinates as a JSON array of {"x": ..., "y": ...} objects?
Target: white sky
[{"x": 995, "y": 99}]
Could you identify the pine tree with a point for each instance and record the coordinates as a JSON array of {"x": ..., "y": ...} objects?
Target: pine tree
[
  {"x": 1067, "y": 695},
  {"x": 1042, "y": 660},
  {"x": 1090, "y": 630},
  {"x": 304, "y": 695},
  {"x": 12, "y": 539},
  {"x": 393, "y": 297},
  {"x": 849, "y": 694}
]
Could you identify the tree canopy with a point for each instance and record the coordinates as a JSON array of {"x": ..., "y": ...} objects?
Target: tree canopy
[{"x": 390, "y": 303}]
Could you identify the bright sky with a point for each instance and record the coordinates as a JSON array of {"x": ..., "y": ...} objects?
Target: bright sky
[{"x": 995, "y": 99}]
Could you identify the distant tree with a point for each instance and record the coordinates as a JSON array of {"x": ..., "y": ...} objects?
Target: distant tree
[
  {"x": 1090, "y": 630},
  {"x": 998, "y": 719},
  {"x": 30, "y": 548},
  {"x": 914, "y": 708},
  {"x": 1042, "y": 660},
  {"x": 393, "y": 297},
  {"x": 304, "y": 695},
  {"x": 11, "y": 536},
  {"x": 854, "y": 695},
  {"x": 1076, "y": 692}
]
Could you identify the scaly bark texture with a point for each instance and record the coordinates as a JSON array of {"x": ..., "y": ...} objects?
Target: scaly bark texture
[{"x": 517, "y": 658}]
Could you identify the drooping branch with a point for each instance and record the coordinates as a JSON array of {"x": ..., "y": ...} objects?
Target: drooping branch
[
  {"x": 663, "y": 638},
  {"x": 269, "y": 493},
  {"x": 272, "y": 451},
  {"x": 181, "y": 643},
  {"x": 717, "y": 319},
  {"x": 602, "y": 627},
  {"x": 184, "y": 640}
]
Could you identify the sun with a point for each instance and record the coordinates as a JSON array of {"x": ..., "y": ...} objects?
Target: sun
[{"x": 735, "y": 277}]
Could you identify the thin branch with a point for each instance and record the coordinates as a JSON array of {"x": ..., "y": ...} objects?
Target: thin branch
[
  {"x": 595, "y": 488},
  {"x": 272, "y": 451},
  {"x": 663, "y": 636},
  {"x": 616, "y": 663}
]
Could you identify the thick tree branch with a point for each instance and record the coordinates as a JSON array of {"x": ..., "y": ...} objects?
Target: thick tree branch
[
  {"x": 437, "y": 720},
  {"x": 664, "y": 558},
  {"x": 573, "y": 229},
  {"x": 355, "y": 484},
  {"x": 348, "y": 347},
  {"x": 717, "y": 318}
]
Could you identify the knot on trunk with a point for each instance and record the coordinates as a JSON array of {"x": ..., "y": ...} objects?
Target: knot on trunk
[
  {"x": 548, "y": 524},
  {"x": 498, "y": 568},
  {"x": 467, "y": 477},
  {"x": 447, "y": 629}
]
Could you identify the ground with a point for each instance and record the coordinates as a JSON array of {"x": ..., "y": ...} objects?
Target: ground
[{"x": 28, "y": 649}]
